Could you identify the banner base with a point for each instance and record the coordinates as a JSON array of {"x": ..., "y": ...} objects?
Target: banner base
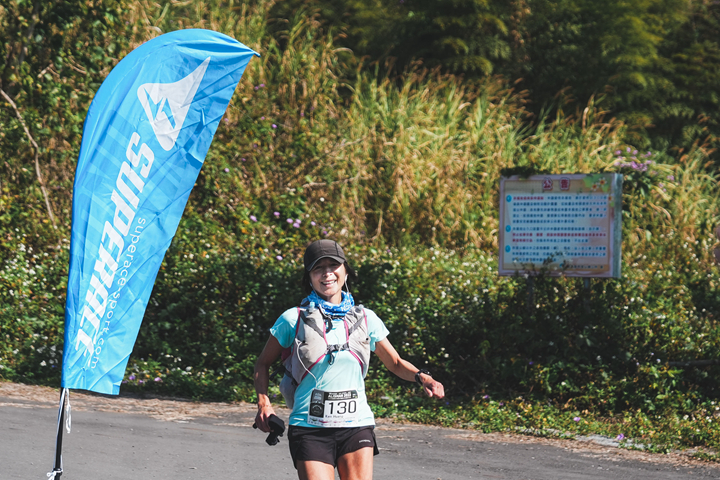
[{"x": 63, "y": 417}]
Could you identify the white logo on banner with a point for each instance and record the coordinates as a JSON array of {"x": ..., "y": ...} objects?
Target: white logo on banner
[{"x": 167, "y": 104}]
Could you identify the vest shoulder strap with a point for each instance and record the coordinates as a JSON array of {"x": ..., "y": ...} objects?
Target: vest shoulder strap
[{"x": 310, "y": 345}]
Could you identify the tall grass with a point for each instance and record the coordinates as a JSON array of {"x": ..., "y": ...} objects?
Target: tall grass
[{"x": 397, "y": 161}]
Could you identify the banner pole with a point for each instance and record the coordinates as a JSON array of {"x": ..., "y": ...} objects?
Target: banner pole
[{"x": 58, "y": 470}]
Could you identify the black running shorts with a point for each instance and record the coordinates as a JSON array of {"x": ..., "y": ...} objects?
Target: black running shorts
[{"x": 328, "y": 444}]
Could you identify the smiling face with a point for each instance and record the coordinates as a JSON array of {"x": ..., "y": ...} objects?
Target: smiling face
[{"x": 327, "y": 278}]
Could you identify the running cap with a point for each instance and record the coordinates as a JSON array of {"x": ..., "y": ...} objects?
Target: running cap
[{"x": 320, "y": 249}]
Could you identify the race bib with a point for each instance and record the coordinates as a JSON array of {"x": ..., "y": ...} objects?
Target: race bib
[{"x": 333, "y": 409}]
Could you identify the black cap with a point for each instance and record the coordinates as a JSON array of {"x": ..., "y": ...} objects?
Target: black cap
[{"x": 320, "y": 249}]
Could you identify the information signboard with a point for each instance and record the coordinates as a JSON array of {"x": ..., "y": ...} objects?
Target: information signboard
[{"x": 561, "y": 224}]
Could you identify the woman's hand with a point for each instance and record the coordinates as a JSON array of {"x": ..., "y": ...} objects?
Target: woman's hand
[
  {"x": 269, "y": 354},
  {"x": 432, "y": 387},
  {"x": 261, "y": 419}
]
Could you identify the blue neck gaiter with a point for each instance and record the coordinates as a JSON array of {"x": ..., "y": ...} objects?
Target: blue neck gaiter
[{"x": 348, "y": 302}]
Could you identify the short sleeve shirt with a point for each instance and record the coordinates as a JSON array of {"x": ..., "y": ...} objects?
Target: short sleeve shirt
[{"x": 344, "y": 374}]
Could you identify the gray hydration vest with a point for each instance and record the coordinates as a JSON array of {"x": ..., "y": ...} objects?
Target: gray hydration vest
[{"x": 310, "y": 346}]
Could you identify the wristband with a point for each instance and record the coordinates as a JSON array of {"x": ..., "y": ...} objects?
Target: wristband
[{"x": 417, "y": 376}]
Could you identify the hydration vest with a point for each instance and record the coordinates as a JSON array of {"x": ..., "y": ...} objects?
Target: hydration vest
[{"x": 310, "y": 346}]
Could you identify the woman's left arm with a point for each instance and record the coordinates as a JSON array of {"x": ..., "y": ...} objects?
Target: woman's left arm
[{"x": 406, "y": 370}]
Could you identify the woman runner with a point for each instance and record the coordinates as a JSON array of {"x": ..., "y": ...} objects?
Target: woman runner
[{"x": 329, "y": 341}]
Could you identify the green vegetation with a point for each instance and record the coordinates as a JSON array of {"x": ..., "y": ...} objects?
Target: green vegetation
[
  {"x": 653, "y": 63},
  {"x": 404, "y": 170}
]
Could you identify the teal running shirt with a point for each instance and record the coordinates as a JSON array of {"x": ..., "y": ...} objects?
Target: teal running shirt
[{"x": 342, "y": 381}]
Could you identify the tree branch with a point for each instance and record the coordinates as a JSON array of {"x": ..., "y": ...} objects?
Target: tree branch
[{"x": 37, "y": 156}]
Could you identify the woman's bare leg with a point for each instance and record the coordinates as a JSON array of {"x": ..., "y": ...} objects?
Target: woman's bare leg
[
  {"x": 312, "y": 470},
  {"x": 357, "y": 465}
]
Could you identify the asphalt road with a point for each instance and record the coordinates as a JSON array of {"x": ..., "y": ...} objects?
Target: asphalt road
[{"x": 149, "y": 441}]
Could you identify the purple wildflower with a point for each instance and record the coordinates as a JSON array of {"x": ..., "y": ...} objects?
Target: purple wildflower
[
  {"x": 131, "y": 377},
  {"x": 279, "y": 257},
  {"x": 620, "y": 437},
  {"x": 227, "y": 170},
  {"x": 274, "y": 126},
  {"x": 485, "y": 397},
  {"x": 296, "y": 225},
  {"x": 671, "y": 178},
  {"x": 618, "y": 152},
  {"x": 243, "y": 159},
  {"x": 313, "y": 223},
  {"x": 262, "y": 118},
  {"x": 158, "y": 379},
  {"x": 253, "y": 218},
  {"x": 576, "y": 419},
  {"x": 277, "y": 214},
  {"x": 290, "y": 220}
]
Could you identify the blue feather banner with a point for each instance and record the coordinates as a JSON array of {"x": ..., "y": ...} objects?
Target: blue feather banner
[{"x": 145, "y": 138}]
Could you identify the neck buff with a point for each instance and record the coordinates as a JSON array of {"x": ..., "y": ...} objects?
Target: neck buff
[{"x": 328, "y": 308}]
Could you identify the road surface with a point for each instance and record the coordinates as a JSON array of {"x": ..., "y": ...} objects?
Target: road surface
[{"x": 131, "y": 438}]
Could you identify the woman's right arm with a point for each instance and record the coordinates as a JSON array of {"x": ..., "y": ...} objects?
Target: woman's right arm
[{"x": 267, "y": 357}]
